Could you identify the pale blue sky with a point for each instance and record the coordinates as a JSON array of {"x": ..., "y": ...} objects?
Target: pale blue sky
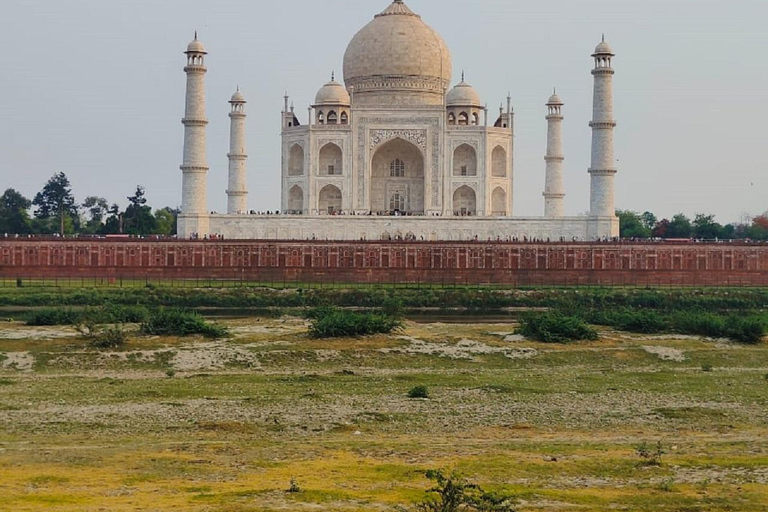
[{"x": 95, "y": 88}]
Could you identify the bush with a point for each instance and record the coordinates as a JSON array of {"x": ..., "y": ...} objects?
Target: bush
[
  {"x": 650, "y": 455},
  {"x": 452, "y": 493},
  {"x": 555, "y": 328},
  {"x": 111, "y": 337},
  {"x": 335, "y": 323},
  {"x": 53, "y": 317},
  {"x": 179, "y": 322},
  {"x": 418, "y": 392},
  {"x": 746, "y": 329},
  {"x": 108, "y": 314}
]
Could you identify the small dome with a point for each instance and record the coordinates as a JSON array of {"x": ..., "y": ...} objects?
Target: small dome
[
  {"x": 603, "y": 49},
  {"x": 332, "y": 93},
  {"x": 238, "y": 97},
  {"x": 463, "y": 95},
  {"x": 196, "y": 46},
  {"x": 555, "y": 100}
]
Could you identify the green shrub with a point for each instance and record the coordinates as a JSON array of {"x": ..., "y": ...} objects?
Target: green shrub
[
  {"x": 111, "y": 337},
  {"x": 452, "y": 493},
  {"x": 335, "y": 323},
  {"x": 418, "y": 392},
  {"x": 555, "y": 328},
  {"x": 706, "y": 367},
  {"x": 746, "y": 329},
  {"x": 179, "y": 322},
  {"x": 650, "y": 455},
  {"x": 57, "y": 316}
]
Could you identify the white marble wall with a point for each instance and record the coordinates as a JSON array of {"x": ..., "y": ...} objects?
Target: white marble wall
[{"x": 286, "y": 227}]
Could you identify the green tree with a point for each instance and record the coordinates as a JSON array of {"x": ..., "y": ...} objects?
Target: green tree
[
  {"x": 97, "y": 208},
  {"x": 704, "y": 226},
  {"x": 114, "y": 223},
  {"x": 631, "y": 225},
  {"x": 138, "y": 218},
  {"x": 679, "y": 227},
  {"x": 649, "y": 220},
  {"x": 14, "y": 213},
  {"x": 166, "y": 221},
  {"x": 56, "y": 201}
]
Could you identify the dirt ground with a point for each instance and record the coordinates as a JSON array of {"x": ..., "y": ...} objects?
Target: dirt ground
[{"x": 225, "y": 425}]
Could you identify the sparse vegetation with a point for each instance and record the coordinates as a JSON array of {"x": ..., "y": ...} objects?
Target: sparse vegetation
[
  {"x": 110, "y": 337},
  {"x": 293, "y": 487},
  {"x": 650, "y": 455},
  {"x": 239, "y": 419}
]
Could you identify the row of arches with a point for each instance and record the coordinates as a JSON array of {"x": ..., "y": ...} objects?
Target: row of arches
[
  {"x": 465, "y": 161},
  {"x": 464, "y": 201},
  {"x": 331, "y": 162},
  {"x": 463, "y": 119},
  {"x": 332, "y": 117}
]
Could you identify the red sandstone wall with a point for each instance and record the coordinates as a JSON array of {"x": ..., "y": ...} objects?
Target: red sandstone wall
[{"x": 435, "y": 262}]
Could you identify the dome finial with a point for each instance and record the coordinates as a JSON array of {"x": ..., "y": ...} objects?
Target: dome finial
[
  {"x": 462, "y": 75},
  {"x": 195, "y": 35},
  {"x": 603, "y": 36},
  {"x": 333, "y": 75}
]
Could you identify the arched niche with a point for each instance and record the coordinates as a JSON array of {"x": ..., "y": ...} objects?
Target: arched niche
[
  {"x": 329, "y": 200},
  {"x": 499, "y": 202},
  {"x": 296, "y": 161},
  {"x": 499, "y": 162},
  {"x": 331, "y": 160},
  {"x": 397, "y": 171},
  {"x": 465, "y": 161},
  {"x": 464, "y": 202},
  {"x": 296, "y": 200}
]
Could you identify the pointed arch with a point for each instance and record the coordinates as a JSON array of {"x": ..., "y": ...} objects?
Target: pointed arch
[
  {"x": 331, "y": 160},
  {"x": 296, "y": 200},
  {"x": 296, "y": 161},
  {"x": 499, "y": 202},
  {"x": 464, "y": 201},
  {"x": 344, "y": 118},
  {"x": 465, "y": 161},
  {"x": 330, "y": 199},
  {"x": 499, "y": 162},
  {"x": 463, "y": 119},
  {"x": 397, "y": 167}
]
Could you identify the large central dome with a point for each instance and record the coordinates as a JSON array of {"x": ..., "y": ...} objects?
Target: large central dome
[{"x": 397, "y": 58}]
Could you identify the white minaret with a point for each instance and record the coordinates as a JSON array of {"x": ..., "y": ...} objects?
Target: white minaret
[
  {"x": 194, "y": 213},
  {"x": 603, "y": 169},
  {"x": 237, "y": 194},
  {"x": 554, "y": 191}
]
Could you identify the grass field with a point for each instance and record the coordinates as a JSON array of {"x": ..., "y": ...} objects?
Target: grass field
[{"x": 198, "y": 425}]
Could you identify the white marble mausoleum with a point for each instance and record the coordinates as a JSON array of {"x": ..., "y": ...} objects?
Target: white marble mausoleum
[{"x": 396, "y": 152}]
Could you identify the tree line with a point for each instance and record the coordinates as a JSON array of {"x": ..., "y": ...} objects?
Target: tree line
[
  {"x": 647, "y": 225},
  {"x": 54, "y": 210}
]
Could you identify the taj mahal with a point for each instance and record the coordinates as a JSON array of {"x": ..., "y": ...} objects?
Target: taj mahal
[{"x": 396, "y": 153}]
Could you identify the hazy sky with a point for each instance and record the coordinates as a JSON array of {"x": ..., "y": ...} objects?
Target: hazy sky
[{"x": 95, "y": 88}]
